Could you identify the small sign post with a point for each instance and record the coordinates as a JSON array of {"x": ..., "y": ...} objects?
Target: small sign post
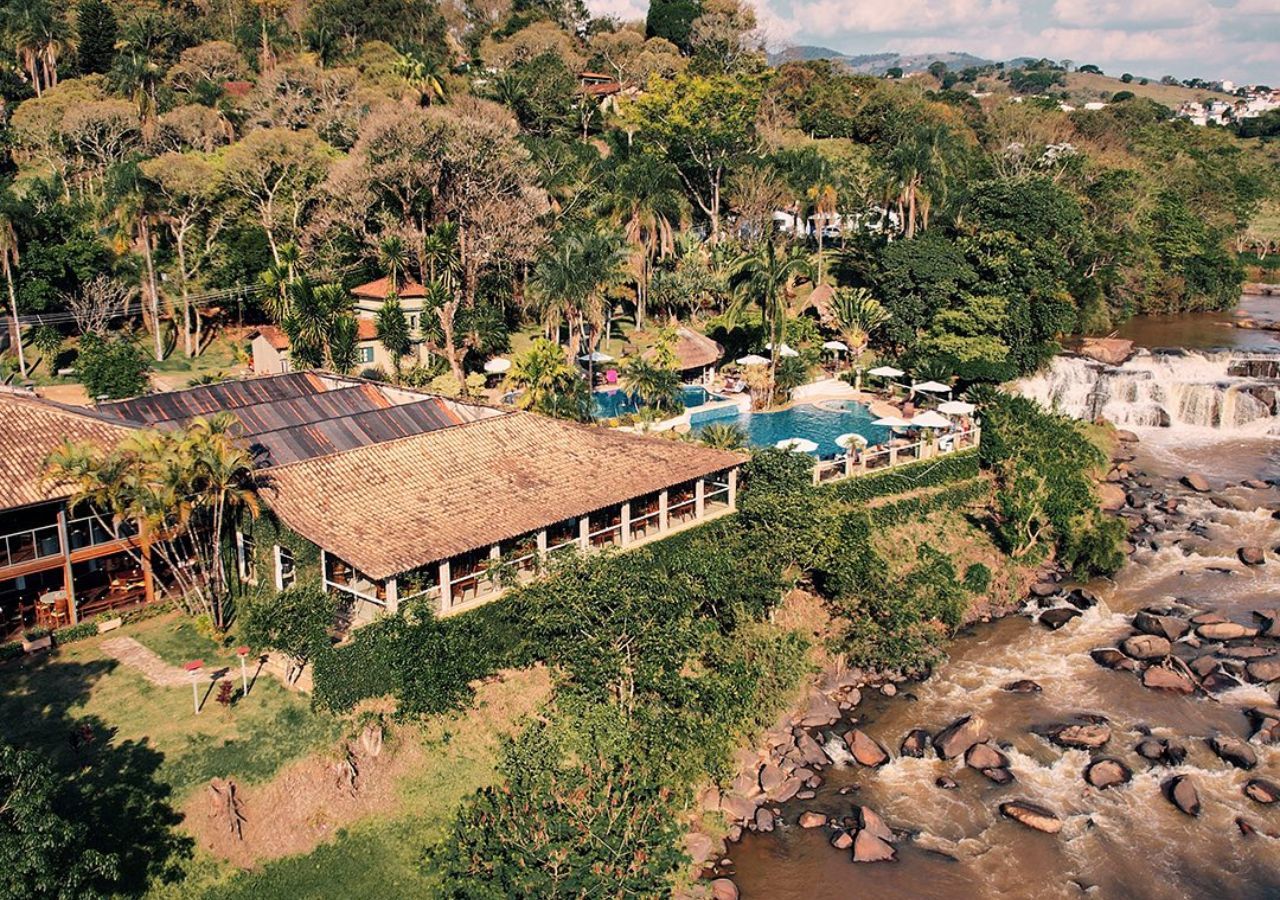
[
  {"x": 243, "y": 652},
  {"x": 194, "y": 668}
]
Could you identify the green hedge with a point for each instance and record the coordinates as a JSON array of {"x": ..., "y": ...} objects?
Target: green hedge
[
  {"x": 77, "y": 632},
  {"x": 902, "y": 511},
  {"x": 957, "y": 466},
  {"x": 11, "y": 650}
]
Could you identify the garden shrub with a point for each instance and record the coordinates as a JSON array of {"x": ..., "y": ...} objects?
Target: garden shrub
[
  {"x": 77, "y": 632},
  {"x": 977, "y": 578},
  {"x": 926, "y": 473},
  {"x": 11, "y": 650},
  {"x": 114, "y": 368}
]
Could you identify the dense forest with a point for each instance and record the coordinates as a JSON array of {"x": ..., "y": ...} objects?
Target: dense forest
[{"x": 178, "y": 161}]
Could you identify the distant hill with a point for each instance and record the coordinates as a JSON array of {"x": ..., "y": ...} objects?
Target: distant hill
[{"x": 878, "y": 63}]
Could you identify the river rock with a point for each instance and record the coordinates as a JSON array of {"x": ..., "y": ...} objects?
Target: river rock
[
  {"x": 1252, "y": 556},
  {"x": 1161, "y": 750},
  {"x": 770, "y": 777},
  {"x": 1181, "y": 792},
  {"x": 811, "y": 819},
  {"x": 985, "y": 756},
  {"x": 1217, "y": 682},
  {"x": 1161, "y": 679},
  {"x": 865, "y": 749},
  {"x": 916, "y": 743},
  {"x": 788, "y": 789},
  {"x": 1107, "y": 772},
  {"x": 1233, "y": 750},
  {"x": 946, "y": 783},
  {"x": 1209, "y": 618},
  {"x": 1246, "y": 652},
  {"x": 811, "y": 751},
  {"x": 842, "y": 840},
  {"x": 869, "y": 820},
  {"x": 1168, "y": 627},
  {"x": 1125, "y": 436},
  {"x": 1044, "y": 589},
  {"x": 763, "y": 820},
  {"x": 1204, "y": 665},
  {"x": 1146, "y": 646},
  {"x": 702, "y": 847},
  {"x": 1055, "y": 618},
  {"x": 998, "y": 775},
  {"x": 1106, "y": 350},
  {"x": 868, "y": 848},
  {"x": 737, "y": 808},
  {"x": 1196, "y": 482},
  {"x": 822, "y": 710},
  {"x": 1087, "y": 736},
  {"x": 724, "y": 889},
  {"x": 1264, "y": 669},
  {"x": 960, "y": 735},
  {"x": 1266, "y": 725},
  {"x": 1032, "y": 815},
  {"x": 1111, "y": 496},
  {"x": 1111, "y": 658},
  {"x": 1082, "y": 599},
  {"x": 1225, "y": 631},
  {"x": 1262, "y": 791},
  {"x": 1270, "y": 622},
  {"x": 1023, "y": 686}
]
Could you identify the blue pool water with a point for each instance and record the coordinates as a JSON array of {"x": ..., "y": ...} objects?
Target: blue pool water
[
  {"x": 615, "y": 402},
  {"x": 820, "y": 424}
]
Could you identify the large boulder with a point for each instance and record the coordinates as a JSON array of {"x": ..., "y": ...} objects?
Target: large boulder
[
  {"x": 702, "y": 847},
  {"x": 1233, "y": 750},
  {"x": 1196, "y": 482},
  {"x": 1225, "y": 631},
  {"x": 1109, "y": 351},
  {"x": 865, "y": 749},
  {"x": 1181, "y": 792},
  {"x": 1264, "y": 669},
  {"x": 985, "y": 756},
  {"x": 764, "y": 820},
  {"x": 1158, "y": 678},
  {"x": 1022, "y": 686},
  {"x": 1032, "y": 815},
  {"x": 1106, "y": 772},
  {"x": 724, "y": 889},
  {"x": 1160, "y": 750},
  {"x": 1055, "y": 618},
  {"x": 960, "y": 735},
  {"x": 1146, "y": 646},
  {"x": 1262, "y": 791},
  {"x": 1111, "y": 496},
  {"x": 842, "y": 840},
  {"x": 1125, "y": 436},
  {"x": 771, "y": 776},
  {"x": 868, "y": 848},
  {"x": 1111, "y": 658},
  {"x": 915, "y": 743},
  {"x": 869, "y": 820},
  {"x": 1252, "y": 556},
  {"x": 737, "y": 808},
  {"x": 1168, "y": 627},
  {"x": 1086, "y": 735},
  {"x": 998, "y": 775},
  {"x": 811, "y": 819},
  {"x": 811, "y": 751}
]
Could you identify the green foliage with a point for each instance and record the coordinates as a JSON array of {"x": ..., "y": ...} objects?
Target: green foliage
[
  {"x": 672, "y": 20},
  {"x": 959, "y": 466},
  {"x": 78, "y": 632},
  {"x": 654, "y": 385},
  {"x": 548, "y": 383},
  {"x": 42, "y": 852},
  {"x": 977, "y": 578},
  {"x": 112, "y": 367},
  {"x": 11, "y": 650},
  {"x": 96, "y": 36},
  {"x": 295, "y": 621},
  {"x": 723, "y": 436}
]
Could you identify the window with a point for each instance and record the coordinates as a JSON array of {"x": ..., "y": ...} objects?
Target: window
[
  {"x": 246, "y": 558},
  {"x": 365, "y": 355},
  {"x": 286, "y": 571}
]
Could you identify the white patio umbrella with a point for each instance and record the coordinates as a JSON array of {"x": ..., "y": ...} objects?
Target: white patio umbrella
[
  {"x": 797, "y": 445},
  {"x": 751, "y": 359},
  {"x": 886, "y": 372},
  {"x": 837, "y": 346},
  {"x": 932, "y": 387},
  {"x": 848, "y": 440},
  {"x": 783, "y": 349},
  {"x": 596, "y": 356},
  {"x": 891, "y": 422},
  {"x": 497, "y": 365},
  {"x": 930, "y": 419},
  {"x": 956, "y": 408}
]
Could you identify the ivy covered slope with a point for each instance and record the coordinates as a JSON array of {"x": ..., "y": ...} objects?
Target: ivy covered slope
[{"x": 668, "y": 658}]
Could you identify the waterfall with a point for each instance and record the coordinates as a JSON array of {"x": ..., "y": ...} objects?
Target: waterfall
[{"x": 1209, "y": 390}]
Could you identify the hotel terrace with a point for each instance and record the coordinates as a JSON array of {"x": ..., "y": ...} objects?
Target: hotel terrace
[{"x": 395, "y": 494}]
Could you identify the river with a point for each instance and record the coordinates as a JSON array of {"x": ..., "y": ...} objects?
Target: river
[{"x": 1126, "y": 841}]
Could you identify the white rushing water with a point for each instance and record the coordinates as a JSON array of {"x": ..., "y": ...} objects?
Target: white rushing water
[{"x": 1218, "y": 391}]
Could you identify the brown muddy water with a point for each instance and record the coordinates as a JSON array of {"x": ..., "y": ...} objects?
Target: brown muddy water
[
  {"x": 1125, "y": 842},
  {"x": 1210, "y": 330}
]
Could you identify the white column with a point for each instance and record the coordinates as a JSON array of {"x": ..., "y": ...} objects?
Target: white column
[
  {"x": 733, "y": 488},
  {"x": 626, "y": 523},
  {"x": 393, "y": 596},
  {"x": 324, "y": 568},
  {"x": 446, "y": 590},
  {"x": 495, "y": 552},
  {"x": 584, "y": 533},
  {"x": 663, "y": 518},
  {"x": 542, "y": 546},
  {"x": 699, "y": 498}
]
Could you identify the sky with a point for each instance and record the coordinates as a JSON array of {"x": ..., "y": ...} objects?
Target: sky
[{"x": 1237, "y": 40}]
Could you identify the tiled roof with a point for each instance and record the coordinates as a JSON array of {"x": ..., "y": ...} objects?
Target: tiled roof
[
  {"x": 366, "y": 329},
  {"x": 394, "y": 506},
  {"x": 30, "y": 429},
  {"x": 274, "y": 335},
  {"x": 380, "y": 287}
]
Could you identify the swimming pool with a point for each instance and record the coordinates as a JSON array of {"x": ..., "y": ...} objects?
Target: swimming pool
[
  {"x": 615, "y": 402},
  {"x": 821, "y": 424}
]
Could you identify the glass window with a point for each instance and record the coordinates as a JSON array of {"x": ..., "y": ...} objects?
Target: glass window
[
  {"x": 366, "y": 355},
  {"x": 286, "y": 571},
  {"x": 247, "y": 558}
]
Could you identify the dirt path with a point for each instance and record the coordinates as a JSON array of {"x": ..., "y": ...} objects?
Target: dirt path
[{"x": 146, "y": 661}]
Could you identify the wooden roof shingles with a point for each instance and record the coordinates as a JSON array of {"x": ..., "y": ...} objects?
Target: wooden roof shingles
[
  {"x": 393, "y": 506},
  {"x": 31, "y": 429}
]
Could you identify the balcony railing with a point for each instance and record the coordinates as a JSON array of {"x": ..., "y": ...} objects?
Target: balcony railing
[{"x": 29, "y": 545}]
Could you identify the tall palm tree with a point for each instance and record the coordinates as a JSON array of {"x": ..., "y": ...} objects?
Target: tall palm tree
[
  {"x": 647, "y": 201},
  {"x": 824, "y": 202},
  {"x": 394, "y": 259},
  {"x": 132, "y": 218},
  {"x": 919, "y": 171},
  {"x": 135, "y": 73},
  {"x": 547, "y": 382},
  {"x": 571, "y": 283},
  {"x": 393, "y": 332},
  {"x": 763, "y": 277},
  {"x": 313, "y": 312},
  {"x": 9, "y": 260},
  {"x": 39, "y": 36},
  {"x": 859, "y": 316}
]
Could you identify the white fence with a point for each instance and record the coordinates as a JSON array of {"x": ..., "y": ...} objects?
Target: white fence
[{"x": 877, "y": 459}]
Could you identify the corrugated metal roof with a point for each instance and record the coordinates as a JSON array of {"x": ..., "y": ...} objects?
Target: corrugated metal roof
[
  {"x": 179, "y": 406},
  {"x": 334, "y": 435},
  {"x": 309, "y": 408}
]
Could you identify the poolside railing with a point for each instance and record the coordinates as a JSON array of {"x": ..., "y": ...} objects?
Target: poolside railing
[{"x": 875, "y": 459}]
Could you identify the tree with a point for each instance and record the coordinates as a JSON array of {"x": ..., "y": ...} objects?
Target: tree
[
  {"x": 423, "y": 77},
  {"x": 672, "y": 20},
  {"x": 724, "y": 34},
  {"x": 393, "y": 331},
  {"x": 96, "y": 303},
  {"x": 859, "y": 315},
  {"x": 317, "y": 325},
  {"x": 919, "y": 170},
  {"x": 42, "y": 849},
  {"x": 570, "y": 284},
  {"x": 113, "y": 367},
  {"x": 548, "y": 383},
  {"x": 764, "y": 277},
  {"x": 652, "y": 384},
  {"x": 702, "y": 125},
  {"x": 38, "y": 35},
  {"x": 295, "y": 621},
  {"x": 47, "y": 340},
  {"x": 1126, "y": 78},
  {"x": 133, "y": 218},
  {"x": 95, "y": 35},
  {"x": 723, "y": 436},
  {"x": 9, "y": 259}
]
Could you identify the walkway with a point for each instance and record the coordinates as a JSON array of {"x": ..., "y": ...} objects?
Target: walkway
[{"x": 146, "y": 661}]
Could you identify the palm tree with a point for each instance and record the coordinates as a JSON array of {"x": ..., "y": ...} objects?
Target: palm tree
[
  {"x": 9, "y": 260},
  {"x": 135, "y": 73},
  {"x": 394, "y": 259},
  {"x": 919, "y": 171},
  {"x": 393, "y": 332},
  {"x": 572, "y": 282},
  {"x": 39, "y": 35},
  {"x": 344, "y": 344},
  {"x": 859, "y": 316},
  {"x": 548, "y": 384},
  {"x": 647, "y": 201},
  {"x": 652, "y": 385},
  {"x": 763, "y": 277},
  {"x": 276, "y": 279},
  {"x": 824, "y": 200},
  {"x": 313, "y": 312},
  {"x": 723, "y": 436},
  {"x": 133, "y": 217},
  {"x": 422, "y": 76}
]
